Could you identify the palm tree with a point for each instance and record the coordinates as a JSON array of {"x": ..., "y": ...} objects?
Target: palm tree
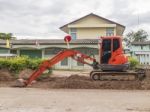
[{"x": 7, "y": 36}]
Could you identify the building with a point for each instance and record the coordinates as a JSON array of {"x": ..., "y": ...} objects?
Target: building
[
  {"x": 49, "y": 48},
  {"x": 85, "y": 32},
  {"x": 141, "y": 50},
  {"x": 92, "y": 26}
]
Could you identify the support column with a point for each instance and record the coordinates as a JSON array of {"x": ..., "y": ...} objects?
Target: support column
[
  {"x": 43, "y": 53},
  {"x": 18, "y": 52}
]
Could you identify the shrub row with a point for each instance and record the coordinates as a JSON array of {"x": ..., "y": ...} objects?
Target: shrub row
[{"x": 19, "y": 63}]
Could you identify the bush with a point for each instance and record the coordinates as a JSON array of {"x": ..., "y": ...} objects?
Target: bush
[
  {"x": 34, "y": 63},
  {"x": 19, "y": 63},
  {"x": 133, "y": 62}
]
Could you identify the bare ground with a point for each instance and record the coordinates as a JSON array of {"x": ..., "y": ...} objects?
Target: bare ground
[
  {"x": 74, "y": 92},
  {"x": 73, "y": 100},
  {"x": 76, "y": 80}
]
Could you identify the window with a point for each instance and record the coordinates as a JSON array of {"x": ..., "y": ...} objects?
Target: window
[
  {"x": 73, "y": 33},
  {"x": 52, "y": 51},
  {"x": 4, "y": 50},
  {"x": 64, "y": 62},
  {"x": 115, "y": 44},
  {"x": 106, "y": 45},
  {"x": 88, "y": 51},
  {"x": 13, "y": 51},
  {"x": 109, "y": 31},
  {"x": 141, "y": 47},
  {"x": 106, "y": 50}
]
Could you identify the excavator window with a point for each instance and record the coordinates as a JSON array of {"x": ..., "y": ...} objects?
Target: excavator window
[
  {"x": 106, "y": 45},
  {"x": 116, "y": 44},
  {"x": 106, "y": 51}
]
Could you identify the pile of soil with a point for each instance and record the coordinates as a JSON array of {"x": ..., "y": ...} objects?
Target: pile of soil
[
  {"x": 6, "y": 78},
  {"x": 83, "y": 82},
  {"x": 25, "y": 74},
  {"x": 146, "y": 82},
  {"x": 5, "y": 75},
  {"x": 76, "y": 82}
]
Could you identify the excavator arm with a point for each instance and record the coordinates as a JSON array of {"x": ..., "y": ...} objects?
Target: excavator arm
[{"x": 76, "y": 55}]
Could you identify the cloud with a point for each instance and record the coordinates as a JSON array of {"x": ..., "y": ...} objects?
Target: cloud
[
  {"x": 42, "y": 18},
  {"x": 132, "y": 14}
]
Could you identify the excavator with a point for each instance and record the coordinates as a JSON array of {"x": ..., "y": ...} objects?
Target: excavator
[{"x": 112, "y": 65}]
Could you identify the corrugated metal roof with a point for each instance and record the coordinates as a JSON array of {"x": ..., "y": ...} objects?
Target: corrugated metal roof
[{"x": 49, "y": 41}]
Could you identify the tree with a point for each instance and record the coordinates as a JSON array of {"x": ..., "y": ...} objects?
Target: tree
[
  {"x": 138, "y": 36},
  {"x": 6, "y": 36}
]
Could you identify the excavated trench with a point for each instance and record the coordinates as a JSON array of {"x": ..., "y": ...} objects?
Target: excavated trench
[{"x": 76, "y": 82}]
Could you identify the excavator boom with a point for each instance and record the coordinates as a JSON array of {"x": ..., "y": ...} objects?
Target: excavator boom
[{"x": 76, "y": 55}]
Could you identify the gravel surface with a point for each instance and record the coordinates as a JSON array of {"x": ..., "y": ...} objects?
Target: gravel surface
[{"x": 74, "y": 100}]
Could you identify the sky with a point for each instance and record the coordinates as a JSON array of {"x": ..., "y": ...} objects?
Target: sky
[{"x": 42, "y": 18}]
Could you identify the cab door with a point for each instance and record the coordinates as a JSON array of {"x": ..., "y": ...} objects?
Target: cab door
[{"x": 105, "y": 51}]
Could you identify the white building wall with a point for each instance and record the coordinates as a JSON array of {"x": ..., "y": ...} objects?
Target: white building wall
[{"x": 142, "y": 53}]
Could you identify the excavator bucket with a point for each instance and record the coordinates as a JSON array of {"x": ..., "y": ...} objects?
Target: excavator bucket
[{"x": 20, "y": 83}]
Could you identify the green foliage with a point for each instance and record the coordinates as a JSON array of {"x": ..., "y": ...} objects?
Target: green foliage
[
  {"x": 6, "y": 36},
  {"x": 133, "y": 62},
  {"x": 140, "y": 35},
  {"x": 19, "y": 63},
  {"x": 33, "y": 63}
]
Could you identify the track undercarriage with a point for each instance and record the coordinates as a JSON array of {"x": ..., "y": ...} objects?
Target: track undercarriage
[{"x": 129, "y": 75}]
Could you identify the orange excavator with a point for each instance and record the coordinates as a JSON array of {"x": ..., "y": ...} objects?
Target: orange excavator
[{"x": 113, "y": 64}]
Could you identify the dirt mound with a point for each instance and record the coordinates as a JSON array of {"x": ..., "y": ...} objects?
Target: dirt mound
[
  {"x": 83, "y": 82},
  {"x": 25, "y": 74},
  {"x": 146, "y": 82},
  {"x": 77, "y": 82},
  {"x": 5, "y": 75}
]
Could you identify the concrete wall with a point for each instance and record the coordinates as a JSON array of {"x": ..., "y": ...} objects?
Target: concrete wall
[{"x": 88, "y": 33}]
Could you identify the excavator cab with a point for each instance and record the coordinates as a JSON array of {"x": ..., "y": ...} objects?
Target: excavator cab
[
  {"x": 108, "y": 46},
  {"x": 112, "y": 57}
]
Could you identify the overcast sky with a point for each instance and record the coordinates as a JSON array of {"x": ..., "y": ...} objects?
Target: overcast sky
[{"x": 42, "y": 18}]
